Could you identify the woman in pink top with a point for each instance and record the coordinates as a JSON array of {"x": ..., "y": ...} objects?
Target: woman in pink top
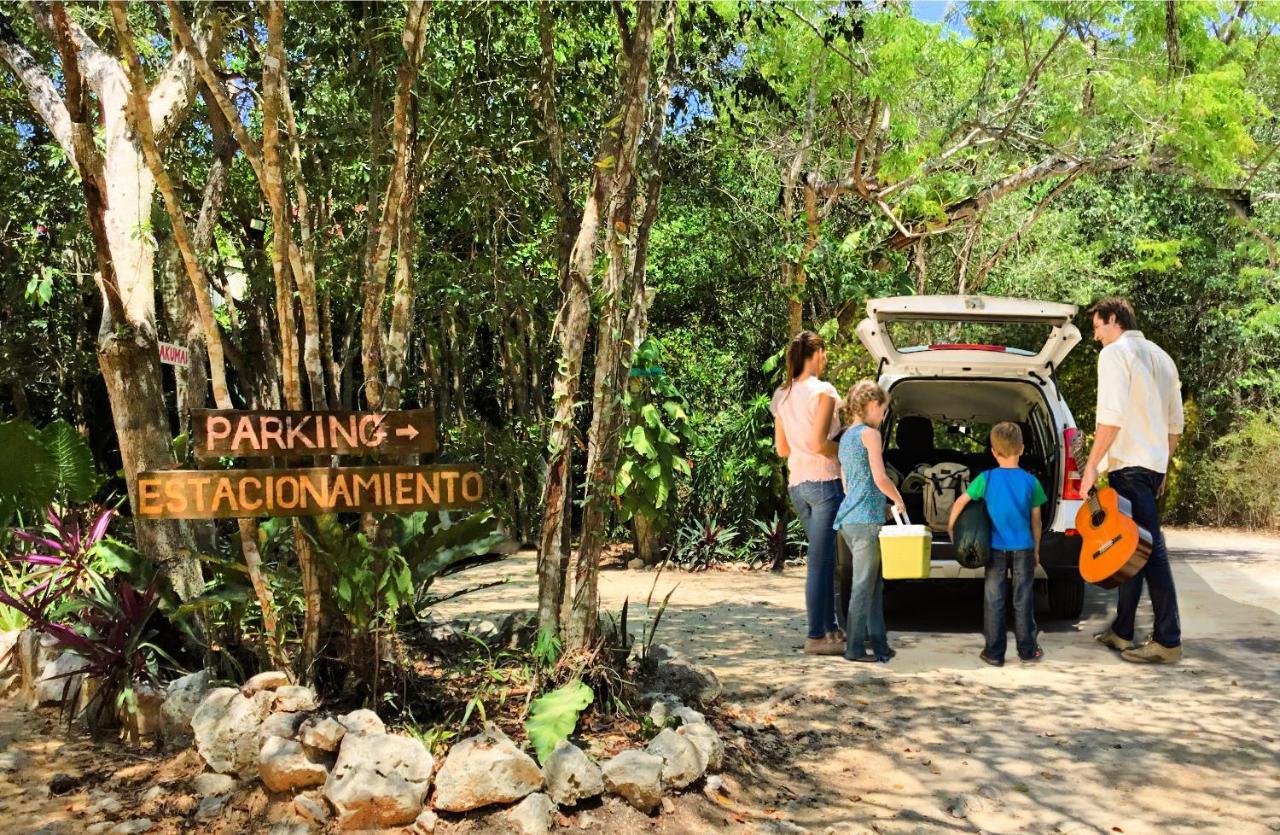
[{"x": 806, "y": 419}]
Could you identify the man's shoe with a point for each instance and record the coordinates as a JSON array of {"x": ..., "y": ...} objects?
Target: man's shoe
[
  {"x": 1114, "y": 641},
  {"x": 1153, "y": 653},
  {"x": 821, "y": 646}
]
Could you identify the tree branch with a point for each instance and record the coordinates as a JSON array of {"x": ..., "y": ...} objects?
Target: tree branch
[{"x": 41, "y": 93}]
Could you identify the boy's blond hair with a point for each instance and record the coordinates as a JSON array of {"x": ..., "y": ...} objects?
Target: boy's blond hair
[
  {"x": 863, "y": 393},
  {"x": 1006, "y": 439}
]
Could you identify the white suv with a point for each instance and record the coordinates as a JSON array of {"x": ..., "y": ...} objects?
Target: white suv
[{"x": 948, "y": 377}]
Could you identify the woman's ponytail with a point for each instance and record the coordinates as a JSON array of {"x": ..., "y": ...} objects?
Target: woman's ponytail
[{"x": 803, "y": 346}]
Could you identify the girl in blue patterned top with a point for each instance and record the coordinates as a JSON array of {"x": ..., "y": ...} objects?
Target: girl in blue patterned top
[{"x": 866, "y": 485}]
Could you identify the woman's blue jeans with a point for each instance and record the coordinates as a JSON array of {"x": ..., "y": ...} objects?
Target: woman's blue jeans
[{"x": 816, "y": 504}]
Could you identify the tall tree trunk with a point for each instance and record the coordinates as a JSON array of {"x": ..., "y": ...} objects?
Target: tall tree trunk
[
  {"x": 118, "y": 190},
  {"x": 139, "y": 116},
  {"x": 613, "y": 347}
]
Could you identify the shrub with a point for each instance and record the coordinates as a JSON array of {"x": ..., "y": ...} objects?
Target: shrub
[{"x": 1236, "y": 480}]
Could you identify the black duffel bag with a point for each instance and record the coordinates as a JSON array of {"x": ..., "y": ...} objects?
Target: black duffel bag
[{"x": 973, "y": 536}]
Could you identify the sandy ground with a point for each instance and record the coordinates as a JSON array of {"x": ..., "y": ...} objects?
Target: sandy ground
[
  {"x": 934, "y": 742},
  {"x": 937, "y": 741}
]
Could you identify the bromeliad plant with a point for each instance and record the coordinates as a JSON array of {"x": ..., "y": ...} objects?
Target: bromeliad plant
[
  {"x": 702, "y": 544},
  {"x": 62, "y": 564},
  {"x": 63, "y": 591},
  {"x": 775, "y": 540}
]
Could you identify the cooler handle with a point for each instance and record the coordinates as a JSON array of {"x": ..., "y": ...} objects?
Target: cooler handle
[{"x": 899, "y": 518}]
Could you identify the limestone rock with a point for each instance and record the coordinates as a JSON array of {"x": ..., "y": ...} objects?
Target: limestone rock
[
  {"x": 534, "y": 815},
  {"x": 379, "y": 781},
  {"x": 226, "y": 729},
  {"x": 363, "y": 722},
  {"x": 144, "y": 722},
  {"x": 708, "y": 743},
  {"x": 635, "y": 777},
  {"x": 688, "y": 716},
  {"x": 133, "y": 827},
  {"x": 182, "y": 697},
  {"x": 211, "y": 807},
  {"x": 292, "y": 698},
  {"x": 695, "y": 684},
  {"x": 484, "y": 769},
  {"x": 210, "y": 784},
  {"x": 284, "y": 725},
  {"x": 571, "y": 775},
  {"x": 682, "y": 762},
  {"x": 636, "y": 565},
  {"x": 663, "y": 708},
  {"x": 312, "y": 807},
  {"x": 425, "y": 824},
  {"x": 11, "y": 761},
  {"x": 270, "y": 680},
  {"x": 58, "y": 678},
  {"x": 35, "y": 652},
  {"x": 322, "y": 734},
  {"x": 285, "y": 766}
]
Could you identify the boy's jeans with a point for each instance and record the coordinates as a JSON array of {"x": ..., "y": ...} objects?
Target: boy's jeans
[
  {"x": 1139, "y": 486},
  {"x": 816, "y": 505},
  {"x": 866, "y": 596},
  {"x": 996, "y": 611}
]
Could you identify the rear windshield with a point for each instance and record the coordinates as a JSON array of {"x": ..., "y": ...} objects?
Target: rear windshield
[{"x": 912, "y": 335}]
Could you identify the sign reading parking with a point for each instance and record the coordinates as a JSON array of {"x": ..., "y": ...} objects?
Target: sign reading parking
[{"x": 262, "y": 434}]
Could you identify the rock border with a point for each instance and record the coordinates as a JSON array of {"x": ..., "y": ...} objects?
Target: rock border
[{"x": 348, "y": 771}]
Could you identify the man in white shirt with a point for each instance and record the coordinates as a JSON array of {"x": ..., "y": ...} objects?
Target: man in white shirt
[{"x": 1139, "y": 423}]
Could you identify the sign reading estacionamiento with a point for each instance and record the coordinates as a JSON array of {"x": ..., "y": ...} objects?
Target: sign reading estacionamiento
[
  {"x": 261, "y": 434},
  {"x": 222, "y": 494}
]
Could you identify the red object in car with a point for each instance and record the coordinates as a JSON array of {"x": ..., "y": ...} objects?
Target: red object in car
[
  {"x": 1072, "y": 475},
  {"x": 968, "y": 346}
]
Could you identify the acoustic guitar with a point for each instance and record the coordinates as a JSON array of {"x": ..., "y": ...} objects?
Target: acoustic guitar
[{"x": 1115, "y": 547}]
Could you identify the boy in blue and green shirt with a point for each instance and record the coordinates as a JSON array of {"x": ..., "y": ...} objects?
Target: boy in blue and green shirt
[{"x": 1013, "y": 498}]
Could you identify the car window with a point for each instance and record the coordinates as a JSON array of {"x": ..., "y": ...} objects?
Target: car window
[{"x": 1028, "y": 338}]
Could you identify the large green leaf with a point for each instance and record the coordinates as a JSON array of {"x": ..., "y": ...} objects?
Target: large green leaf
[
  {"x": 430, "y": 554},
  {"x": 29, "y": 477},
  {"x": 553, "y": 716},
  {"x": 77, "y": 478}
]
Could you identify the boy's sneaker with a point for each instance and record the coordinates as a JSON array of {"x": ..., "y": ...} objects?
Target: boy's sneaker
[
  {"x": 994, "y": 662},
  {"x": 1112, "y": 640},
  {"x": 1033, "y": 657},
  {"x": 1153, "y": 653}
]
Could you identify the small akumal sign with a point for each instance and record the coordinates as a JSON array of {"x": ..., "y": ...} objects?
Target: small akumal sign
[{"x": 171, "y": 354}]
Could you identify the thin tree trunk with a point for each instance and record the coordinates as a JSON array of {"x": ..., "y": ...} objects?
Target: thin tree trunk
[
  {"x": 375, "y": 286},
  {"x": 613, "y": 351},
  {"x": 140, "y": 117}
]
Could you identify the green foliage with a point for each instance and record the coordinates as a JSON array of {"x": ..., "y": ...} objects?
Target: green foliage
[
  {"x": 1236, "y": 480},
  {"x": 29, "y": 479},
  {"x": 654, "y": 440},
  {"x": 699, "y": 545},
  {"x": 554, "y": 715},
  {"x": 738, "y": 475},
  {"x": 371, "y": 583},
  {"x": 78, "y": 480}
]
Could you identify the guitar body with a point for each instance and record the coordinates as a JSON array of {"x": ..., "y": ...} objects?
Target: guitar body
[{"x": 1115, "y": 548}]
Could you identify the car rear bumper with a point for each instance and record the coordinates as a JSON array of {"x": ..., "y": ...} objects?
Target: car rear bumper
[{"x": 1059, "y": 557}]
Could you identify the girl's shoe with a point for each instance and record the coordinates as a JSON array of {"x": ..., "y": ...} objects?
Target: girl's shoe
[
  {"x": 865, "y": 658},
  {"x": 837, "y": 635},
  {"x": 1033, "y": 657},
  {"x": 822, "y": 646}
]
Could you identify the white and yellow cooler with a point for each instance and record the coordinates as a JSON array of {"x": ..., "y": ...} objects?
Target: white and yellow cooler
[{"x": 905, "y": 549}]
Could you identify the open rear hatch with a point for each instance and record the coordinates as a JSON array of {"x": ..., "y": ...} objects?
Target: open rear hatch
[{"x": 927, "y": 335}]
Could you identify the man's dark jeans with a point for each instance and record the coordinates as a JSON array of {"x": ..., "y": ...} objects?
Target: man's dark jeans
[
  {"x": 995, "y": 612},
  {"x": 1140, "y": 486}
]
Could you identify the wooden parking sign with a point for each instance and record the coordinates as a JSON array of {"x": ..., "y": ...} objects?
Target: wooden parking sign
[
  {"x": 263, "y": 434},
  {"x": 309, "y": 491}
]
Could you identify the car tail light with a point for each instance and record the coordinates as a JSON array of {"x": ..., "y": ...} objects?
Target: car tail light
[
  {"x": 1072, "y": 532},
  {"x": 1072, "y": 472}
]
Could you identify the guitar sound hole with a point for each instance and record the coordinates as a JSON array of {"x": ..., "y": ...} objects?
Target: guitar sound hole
[{"x": 1098, "y": 518}]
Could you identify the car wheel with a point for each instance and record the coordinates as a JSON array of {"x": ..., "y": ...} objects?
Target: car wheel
[{"x": 1066, "y": 597}]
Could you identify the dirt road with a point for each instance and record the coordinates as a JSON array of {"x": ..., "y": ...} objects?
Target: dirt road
[{"x": 936, "y": 741}]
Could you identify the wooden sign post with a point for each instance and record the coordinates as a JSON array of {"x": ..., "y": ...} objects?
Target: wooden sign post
[{"x": 309, "y": 491}]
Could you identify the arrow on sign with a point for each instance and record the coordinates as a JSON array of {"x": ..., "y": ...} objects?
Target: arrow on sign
[{"x": 407, "y": 432}]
